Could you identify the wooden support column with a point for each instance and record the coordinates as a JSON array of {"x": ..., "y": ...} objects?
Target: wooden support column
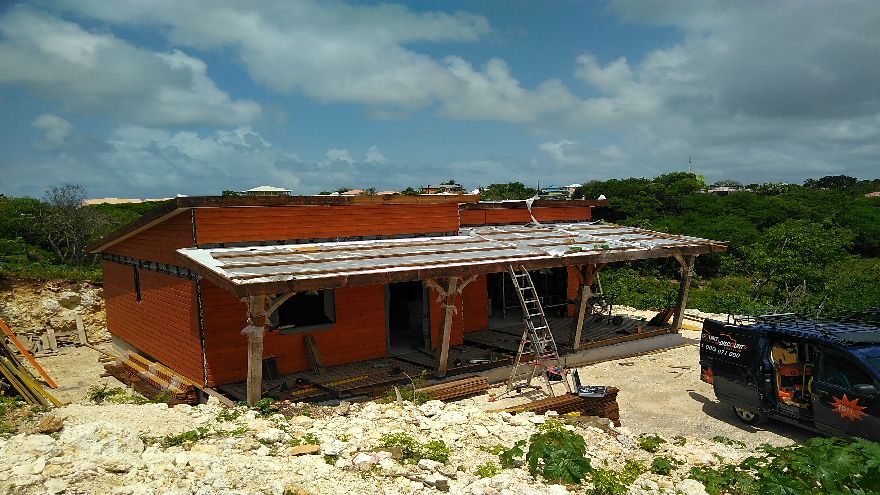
[
  {"x": 447, "y": 288},
  {"x": 588, "y": 274},
  {"x": 259, "y": 320},
  {"x": 687, "y": 271}
]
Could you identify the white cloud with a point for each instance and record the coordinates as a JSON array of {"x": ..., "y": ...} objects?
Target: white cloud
[
  {"x": 374, "y": 155},
  {"x": 100, "y": 74},
  {"x": 339, "y": 155},
  {"x": 55, "y": 129}
]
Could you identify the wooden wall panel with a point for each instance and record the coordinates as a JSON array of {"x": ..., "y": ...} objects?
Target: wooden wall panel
[
  {"x": 475, "y": 305},
  {"x": 573, "y": 285},
  {"x": 359, "y": 334},
  {"x": 521, "y": 215},
  {"x": 159, "y": 242},
  {"x": 243, "y": 224},
  {"x": 163, "y": 324}
]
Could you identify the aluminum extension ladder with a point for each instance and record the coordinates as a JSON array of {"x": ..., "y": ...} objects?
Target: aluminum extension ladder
[{"x": 537, "y": 340}]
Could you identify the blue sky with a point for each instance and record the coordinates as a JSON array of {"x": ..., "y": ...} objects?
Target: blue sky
[{"x": 153, "y": 99}]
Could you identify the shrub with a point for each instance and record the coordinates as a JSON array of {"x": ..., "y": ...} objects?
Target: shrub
[
  {"x": 412, "y": 450},
  {"x": 728, "y": 441},
  {"x": 650, "y": 443},
  {"x": 191, "y": 436},
  {"x": 663, "y": 465},
  {"x": 559, "y": 453},
  {"x": 487, "y": 470},
  {"x": 610, "y": 482}
]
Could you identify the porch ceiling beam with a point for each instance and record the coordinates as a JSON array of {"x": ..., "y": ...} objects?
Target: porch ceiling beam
[{"x": 587, "y": 274}]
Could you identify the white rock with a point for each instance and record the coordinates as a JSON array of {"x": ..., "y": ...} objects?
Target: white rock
[
  {"x": 100, "y": 439},
  {"x": 429, "y": 465},
  {"x": 690, "y": 487},
  {"x": 333, "y": 447},
  {"x": 538, "y": 420},
  {"x": 432, "y": 408},
  {"x": 557, "y": 490},
  {"x": 272, "y": 435}
]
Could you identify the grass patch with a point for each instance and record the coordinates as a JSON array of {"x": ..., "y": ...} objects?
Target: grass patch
[
  {"x": 487, "y": 470},
  {"x": 650, "y": 443},
  {"x": 412, "y": 450}
]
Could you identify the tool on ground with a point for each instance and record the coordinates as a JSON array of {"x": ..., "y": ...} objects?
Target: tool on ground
[
  {"x": 537, "y": 340},
  {"x": 588, "y": 390}
]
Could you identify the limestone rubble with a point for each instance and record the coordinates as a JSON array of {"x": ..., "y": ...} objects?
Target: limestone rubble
[{"x": 117, "y": 449}]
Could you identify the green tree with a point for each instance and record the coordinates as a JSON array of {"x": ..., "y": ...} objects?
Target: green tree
[
  {"x": 788, "y": 261},
  {"x": 510, "y": 190},
  {"x": 67, "y": 225},
  {"x": 370, "y": 191},
  {"x": 230, "y": 192},
  {"x": 409, "y": 191}
]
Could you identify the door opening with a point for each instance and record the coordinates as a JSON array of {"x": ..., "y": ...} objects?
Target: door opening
[{"x": 406, "y": 310}]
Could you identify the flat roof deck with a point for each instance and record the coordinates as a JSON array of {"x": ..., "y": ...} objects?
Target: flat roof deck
[{"x": 487, "y": 249}]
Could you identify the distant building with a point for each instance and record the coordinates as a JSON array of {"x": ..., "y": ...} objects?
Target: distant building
[
  {"x": 875, "y": 194},
  {"x": 267, "y": 191},
  {"x": 443, "y": 189},
  {"x": 571, "y": 188},
  {"x": 723, "y": 190},
  {"x": 120, "y": 201},
  {"x": 554, "y": 192}
]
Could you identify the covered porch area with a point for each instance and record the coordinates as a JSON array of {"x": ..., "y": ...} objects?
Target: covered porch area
[{"x": 266, "y": 276}]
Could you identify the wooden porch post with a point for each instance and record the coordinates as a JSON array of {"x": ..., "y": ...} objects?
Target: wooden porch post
[
  {"x": 687, "y": 269},
  {"x": 255, "y": 330},
  {"x": 585, "y": 291},
  {"x": 446, "y": 325}
]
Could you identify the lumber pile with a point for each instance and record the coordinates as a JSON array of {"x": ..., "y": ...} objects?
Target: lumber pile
[
  {"x": 457, "y": 389},
  {"x": 604, "y": 407},
  {"x": 152, "y": 379},
  {"x": 15, "y": 378}
]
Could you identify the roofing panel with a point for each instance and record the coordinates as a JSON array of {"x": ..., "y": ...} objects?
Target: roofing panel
[{"x": 263, "y": 269}]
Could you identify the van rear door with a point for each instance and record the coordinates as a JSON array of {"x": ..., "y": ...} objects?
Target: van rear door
[{"x": 731, "y": 359}]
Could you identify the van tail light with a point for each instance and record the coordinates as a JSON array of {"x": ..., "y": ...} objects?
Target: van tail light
[{"x": 707, "y": 375}]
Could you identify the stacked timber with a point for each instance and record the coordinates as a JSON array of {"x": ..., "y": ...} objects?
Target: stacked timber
[
  {"x": 457, "y": 389},
  {"x": 152, "y": 379},
  {"x": 604, "y": 407},
  {"x": 16, "y": 379}
]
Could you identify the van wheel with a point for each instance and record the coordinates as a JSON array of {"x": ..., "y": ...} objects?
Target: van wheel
[{"x": 748, "y": 417}]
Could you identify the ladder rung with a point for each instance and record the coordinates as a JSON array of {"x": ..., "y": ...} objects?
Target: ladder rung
[
  {"x": 542, "y": 327},
  {"x": 530, "y": 301}
]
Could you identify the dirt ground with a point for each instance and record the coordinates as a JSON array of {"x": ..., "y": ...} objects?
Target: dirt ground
[
  {"x": 75, "y": 369},
  {"x": 659, "y": 393},
  {"x": 662, "y": 393}
]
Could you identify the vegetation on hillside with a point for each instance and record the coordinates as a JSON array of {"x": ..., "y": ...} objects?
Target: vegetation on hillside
[
  {"x": 812, "y": 249},
  {"x": 46, "y": 238}
]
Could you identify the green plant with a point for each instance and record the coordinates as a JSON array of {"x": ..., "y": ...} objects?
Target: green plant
[
  {"x": 190, "y": 436},
  {"x": 679, "y": 440},
  {"x": 265, "y": 407},
  {"x": 822, "y": 465},
  {"x": 559, "y": 453},
  {"x": 487, "y": 470},
  {"x": 650, "y": 443},
  {"x": 331, "y": 459},
  {"x": 513, "y": 456},
  {"x": 664, "y": 465},
  {"x": 103, "y": 393},
  {"x": 412, "y": 450},
  {"x": 728, "y": 441},
  {"x": 611, "y": 482},
  {"x": 230, "y": 414}
]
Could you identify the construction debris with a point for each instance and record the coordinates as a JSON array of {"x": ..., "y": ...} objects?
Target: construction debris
[
  {"x": 24, "y": 352},
  {"x": 604, "y": 407},
  {"x": 16, "y": 377},
  {"x": 153, "y": 380},
  {"x": 456, "y": 389}
]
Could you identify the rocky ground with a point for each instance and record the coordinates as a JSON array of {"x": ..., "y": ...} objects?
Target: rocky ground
[
  {"x": 131, "y": 449},
  {"x": 30, "y": 307}
]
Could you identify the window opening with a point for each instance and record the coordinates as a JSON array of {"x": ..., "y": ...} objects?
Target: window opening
[
  {"x": 310, "y": 310},
  {"x": 137, "y": 284}
]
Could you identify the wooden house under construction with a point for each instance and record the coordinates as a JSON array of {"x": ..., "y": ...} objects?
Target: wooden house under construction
[{"x": 242, "y": 293}]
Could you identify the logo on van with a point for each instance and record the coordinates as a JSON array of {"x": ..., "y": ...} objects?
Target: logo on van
[
  {"x": 724, "y": 341},
  {"x": 849, "y": 409}
]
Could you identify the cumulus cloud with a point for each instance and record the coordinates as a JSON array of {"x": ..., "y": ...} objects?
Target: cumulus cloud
[
  {"x": 99, "y": 74},
  {"x": 55, "y": 129},
  {"x": 374, "y": 155},
  {"x": 339, "y": 155}
]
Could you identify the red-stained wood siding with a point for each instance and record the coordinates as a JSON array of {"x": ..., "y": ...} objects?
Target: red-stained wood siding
[
  {"x": 359, "y": 334},
  {"x": 163, "y": 324},
  {"x": 521, "y": 215},
  {"x": 243, "y": 224},
  {"x": 475, "y": 305},
  {"x": 158, "y": 242},
  {"x": 573, "y": 285}
]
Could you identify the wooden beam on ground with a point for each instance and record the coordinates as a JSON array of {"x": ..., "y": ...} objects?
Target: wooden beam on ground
[
  {"x": 258, "y": 321},
  {"x": 687, "y": 271},
  {"x": 314, "y": 356},
  {"x": 24, "y": 352}
]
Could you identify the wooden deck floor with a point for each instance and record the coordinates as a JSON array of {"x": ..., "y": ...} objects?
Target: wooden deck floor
[{"x": 482, "y": 350}]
